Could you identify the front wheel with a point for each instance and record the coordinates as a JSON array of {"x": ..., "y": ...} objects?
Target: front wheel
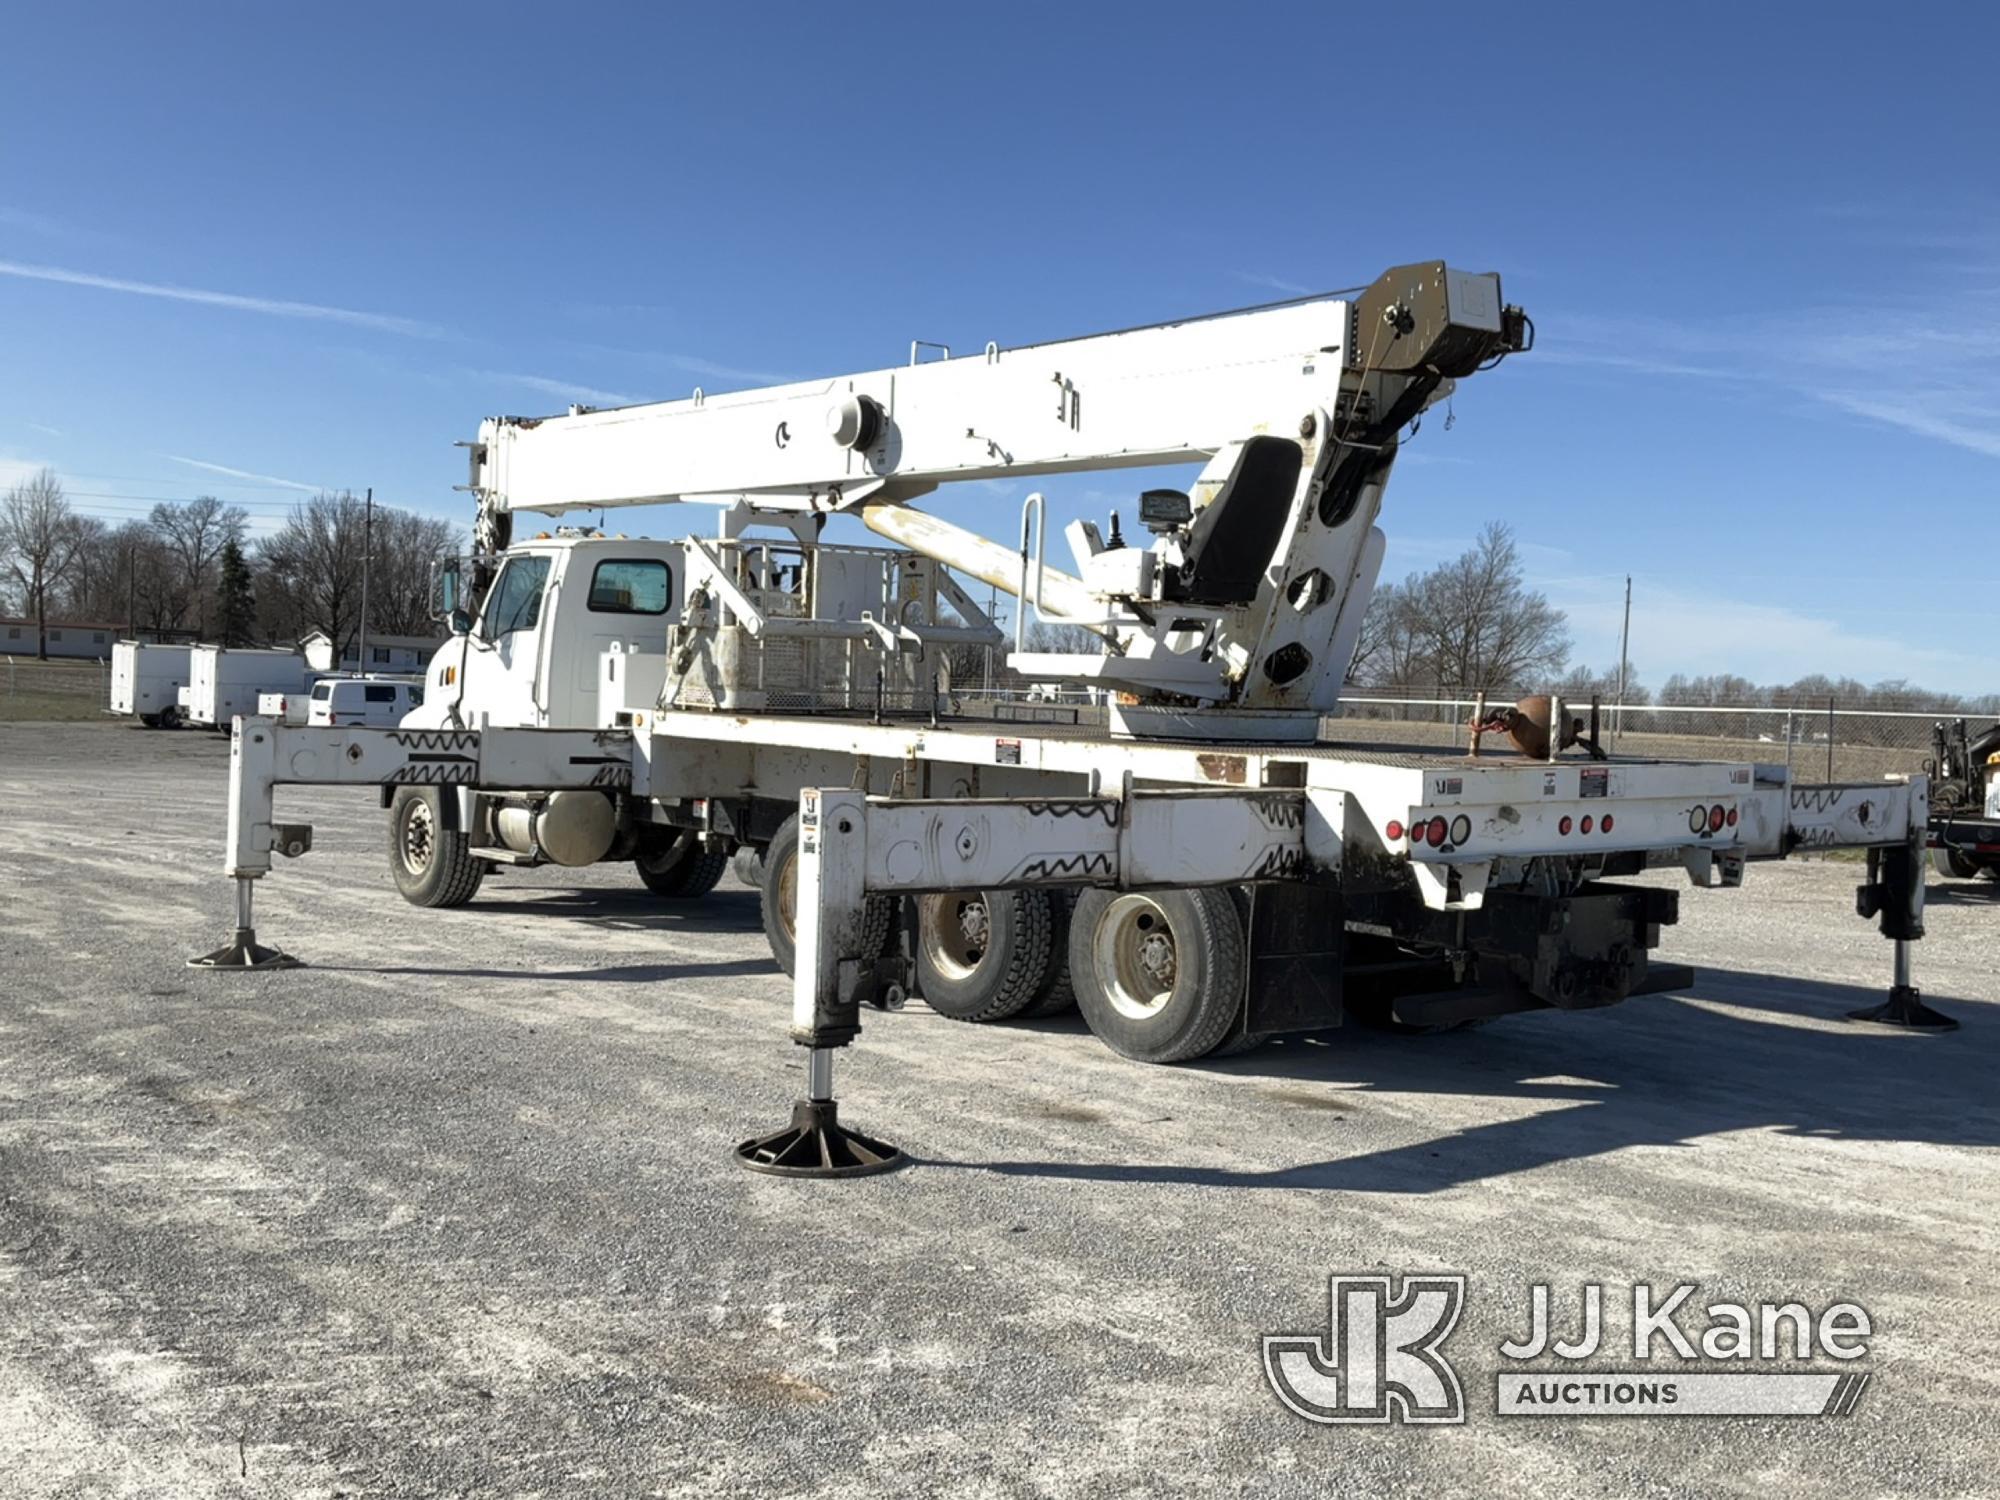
[
  {"x": 432, "y": 865},
  {"x": 1159, "y": 975}
]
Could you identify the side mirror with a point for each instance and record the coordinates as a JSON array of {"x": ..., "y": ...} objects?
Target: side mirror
[
  {"x": 444, "y": 585},
  {"x": 460, "y": 621}
]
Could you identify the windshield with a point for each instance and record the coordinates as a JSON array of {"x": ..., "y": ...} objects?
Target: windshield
[{"x": 517, "y": 598}]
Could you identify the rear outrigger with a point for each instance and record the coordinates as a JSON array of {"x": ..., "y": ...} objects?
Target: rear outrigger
[{"x": 1201, "y": 872}]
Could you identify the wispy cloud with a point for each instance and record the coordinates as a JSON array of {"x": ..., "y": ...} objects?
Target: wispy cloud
[
  {"x": 562, "y": 390},
  {"x": 54, "y": 432},
  {"x": 269, "y": 306},
  {"x": 1925, "y": 360},
  {"x": 272, "y": 479},
  {"x": 1272, "y": 283},
  {"x": 690, "y": 364}
]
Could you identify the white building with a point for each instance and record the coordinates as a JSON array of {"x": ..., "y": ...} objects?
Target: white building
[
  {"x": 66, "y": 639},
  {"x": 386, "y": 653}
]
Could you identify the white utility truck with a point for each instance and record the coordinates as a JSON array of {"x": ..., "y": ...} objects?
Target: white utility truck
[
  {"x": 1199, "y": 873},
  {"x": 146, "y": 679},
  {"x": 224, "y": 681}
]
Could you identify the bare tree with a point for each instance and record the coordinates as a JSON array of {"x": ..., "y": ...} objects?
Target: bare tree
[
  {"x": 312, "y": 571},
  {"x": 1468, "y": 623},
  {"x": 195, "y": 533},
  {"x": 399, "y": 577},
  {"x": 40, "y": 536}
]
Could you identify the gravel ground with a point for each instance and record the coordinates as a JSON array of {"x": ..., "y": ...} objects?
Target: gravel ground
[{"x": 451, "y": 1211}]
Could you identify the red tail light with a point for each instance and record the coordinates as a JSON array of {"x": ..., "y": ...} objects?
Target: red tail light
[
  {"x": 1437, "y": 831},
  {"x": 1731, "y": 819},
  {"x": 1394, "y": 829},
  {"x": 1605, "y": 825},
  {"x": 1564, "y": 825},
  {"x": 1716, "y": 818},
  {"x": 1586, "y": 823}
]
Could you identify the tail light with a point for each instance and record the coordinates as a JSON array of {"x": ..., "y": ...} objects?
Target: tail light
[
  {"x": 1717, "y": 816},
  {"x": 1438, "y": 832},
  {"x": 1604, "y": 823},
  {"x": 1564, "y": 825},
  {"x": 1393, "y": 829},
  {"x": 1461, "y": 829},
  {"x": 1697, "y": 819},
  {"x": 1731, "y": 819},
  {"x": 1586, "y": 822}
]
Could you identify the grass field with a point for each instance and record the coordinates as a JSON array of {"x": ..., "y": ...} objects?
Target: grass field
[{"x": 52, "y": 690}]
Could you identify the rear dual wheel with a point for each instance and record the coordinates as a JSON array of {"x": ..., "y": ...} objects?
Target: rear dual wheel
[{"x": 1159, "y": 975}]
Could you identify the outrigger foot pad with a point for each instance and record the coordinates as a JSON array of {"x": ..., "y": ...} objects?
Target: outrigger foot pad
[
  {"x": 244, "y": 952},
  {"x": 1905, "y": 1007},
  {"x": 815, "y": 1145}
]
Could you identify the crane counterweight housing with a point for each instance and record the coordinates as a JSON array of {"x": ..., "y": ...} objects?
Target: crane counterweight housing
[{"x": 1197, "y": 869}]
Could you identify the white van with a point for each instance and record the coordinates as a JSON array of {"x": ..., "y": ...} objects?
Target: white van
[{"x": 362, "y": 700}]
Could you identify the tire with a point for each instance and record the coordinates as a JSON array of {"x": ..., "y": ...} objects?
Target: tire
[
  {"x": 1118, "y": 965},
  {"x": 747, "y": 864},
  {"x": 1056, "y": 994},
  {"x": 170, "y": 718},
  {"x": 431, "y": 865},
  {"x": 676, "y": 866},
  {"x": 779, "y": 890},
  {"x": 982, "y": 955},
  {"x": 1249, "y": 1042},
  {"x": 151, "y": 721},
  {"x": 1953, "y": 865}
]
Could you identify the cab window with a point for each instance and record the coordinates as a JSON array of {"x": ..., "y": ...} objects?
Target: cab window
[
  {"x": 631, "y": 586},
  {"x": 517, "y": 597},
  {"x": 380, "y": 694}
]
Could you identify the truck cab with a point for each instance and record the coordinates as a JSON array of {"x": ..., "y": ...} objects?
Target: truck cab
[{"x": 528, "y": 659}]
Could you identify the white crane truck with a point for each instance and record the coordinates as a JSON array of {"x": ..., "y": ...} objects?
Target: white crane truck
[{"x": 1202, "y": 872}]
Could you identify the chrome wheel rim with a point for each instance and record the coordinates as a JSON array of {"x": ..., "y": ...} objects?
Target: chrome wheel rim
[
  {"x": 1137, "y": 960},
  {"x": 419, "y": 837}
]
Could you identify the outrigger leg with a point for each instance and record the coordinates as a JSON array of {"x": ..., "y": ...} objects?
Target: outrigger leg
[
  {"x": 832, "y": 979},
  {"x": 1895, "y": 892},
  {"x": 252, "y": 838},
  {"x": 243, "y": 951}
]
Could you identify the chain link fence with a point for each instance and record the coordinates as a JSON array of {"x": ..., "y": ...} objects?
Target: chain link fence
[{"x": 32, "y": 689}]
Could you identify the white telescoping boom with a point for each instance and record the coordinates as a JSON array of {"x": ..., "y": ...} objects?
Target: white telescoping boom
[{"x": 1244, "y": 610}]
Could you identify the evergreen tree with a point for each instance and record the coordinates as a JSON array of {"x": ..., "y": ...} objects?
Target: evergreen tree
[{"x": 235, "y": 604}]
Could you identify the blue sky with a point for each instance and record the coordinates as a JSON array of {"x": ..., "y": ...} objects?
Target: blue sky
[{"x": 1761, "y": 245}]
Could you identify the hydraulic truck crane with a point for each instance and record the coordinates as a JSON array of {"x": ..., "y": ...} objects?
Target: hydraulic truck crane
[{"x": 1203, "y": 872}]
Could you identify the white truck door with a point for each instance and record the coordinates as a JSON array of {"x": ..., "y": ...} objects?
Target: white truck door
[{"x": 506, "y": 667}]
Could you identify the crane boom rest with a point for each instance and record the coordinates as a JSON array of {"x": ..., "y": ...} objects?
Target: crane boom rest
[{"x": 1241, "y": 616}]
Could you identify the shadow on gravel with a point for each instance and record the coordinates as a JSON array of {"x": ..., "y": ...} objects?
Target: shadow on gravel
[
  {"x": 636, "y": 911},
  {"x": 1985, "y": 893},
  {"x": 1660, "y": 1071},
  {"x": 614, "y": 974}
]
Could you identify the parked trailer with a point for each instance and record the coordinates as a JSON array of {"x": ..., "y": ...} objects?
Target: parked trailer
[
  {"x": 146, "y": 679},
  {"x": 224, "y": 682}
]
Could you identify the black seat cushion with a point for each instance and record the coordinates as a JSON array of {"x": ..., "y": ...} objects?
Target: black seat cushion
[{"x": 1231, "y": 542}]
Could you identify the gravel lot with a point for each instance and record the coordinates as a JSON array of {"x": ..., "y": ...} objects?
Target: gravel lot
[{"x": 451, "y": 1211}]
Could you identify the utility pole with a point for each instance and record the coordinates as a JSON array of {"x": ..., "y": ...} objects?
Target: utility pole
[
  {"x": 367, "y": 556},
  {"x": 1624, "y": 658}
]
